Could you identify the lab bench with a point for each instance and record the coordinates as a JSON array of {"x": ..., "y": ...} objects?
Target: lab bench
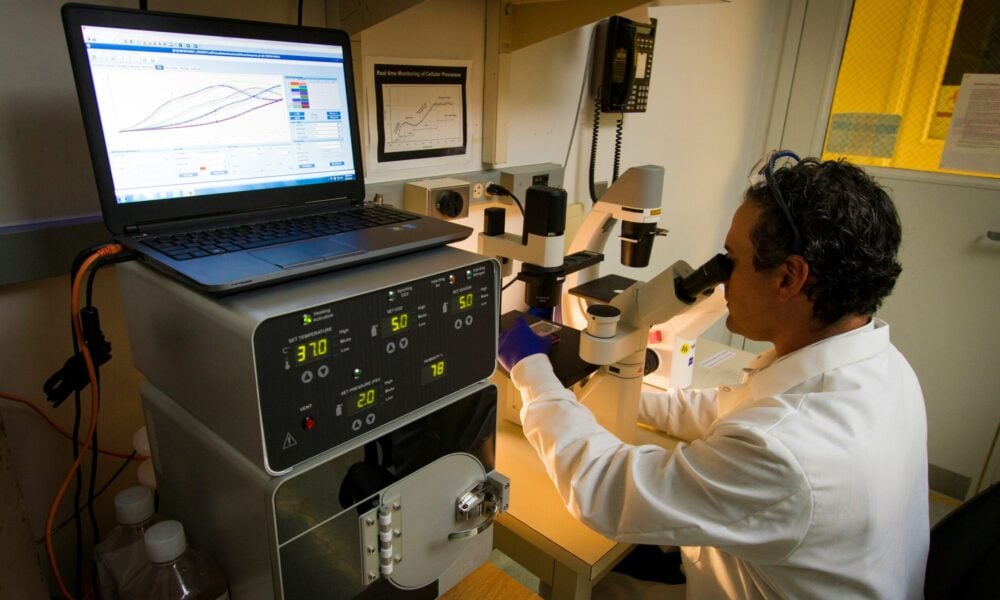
[{"x": 539, "y": 532}]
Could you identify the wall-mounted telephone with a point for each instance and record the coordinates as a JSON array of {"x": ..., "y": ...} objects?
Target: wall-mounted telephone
[
  {"x": 623, "y": 64},
  {"x": 619, "y": 82}
]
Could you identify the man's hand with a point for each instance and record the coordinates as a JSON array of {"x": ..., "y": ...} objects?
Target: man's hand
[{"x": 520, "y": 341}]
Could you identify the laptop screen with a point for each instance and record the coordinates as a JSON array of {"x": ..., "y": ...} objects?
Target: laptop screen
[{"x": 190, "y": 115}]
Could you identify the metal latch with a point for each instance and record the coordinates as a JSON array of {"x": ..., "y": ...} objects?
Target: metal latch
[{"x": 486, "y": 498}]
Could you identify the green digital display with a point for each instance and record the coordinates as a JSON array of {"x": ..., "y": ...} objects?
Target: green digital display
[
  {"x": 364, "y": 399},
  {"x": 463, "y": 302},
  {"x": 433, "y": 371},
  {"x": 311, "y": 350},
  {"x": 397, "y": 323}
]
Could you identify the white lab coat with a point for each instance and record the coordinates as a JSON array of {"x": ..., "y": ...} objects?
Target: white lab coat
[{"x": 808, "y": 481}]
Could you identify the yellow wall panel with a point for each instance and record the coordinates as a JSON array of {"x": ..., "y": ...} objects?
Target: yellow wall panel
[{"x": 889, "y": 92}]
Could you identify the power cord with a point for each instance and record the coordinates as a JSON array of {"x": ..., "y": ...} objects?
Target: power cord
[
  {"x": 619, "y": 126},
  {"x": 495, "y": 189},
  {"x": 82, "y": 345},
  {"x": 55, "y": 425},
  {"x": 593, "y": 149},
  {"x": 128, "y": 459},
  {"x": 73, "y": 377}
]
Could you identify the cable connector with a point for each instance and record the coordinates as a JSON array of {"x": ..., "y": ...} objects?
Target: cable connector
[
  {"x": 495, "y": 189},
  {"x": 72, "y": 377}
]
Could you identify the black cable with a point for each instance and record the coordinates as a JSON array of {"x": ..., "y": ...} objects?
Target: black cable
[
  {"x": 77, "y": 412},
  {"x": 79, "y": 485},
  {"x": 619, "y": 125},
  {"x": 508, "y": 284},
  {"x": 300, "y": 12},
  {"x": 518, "y": 203},
  {"x": 495, "y": 189},
  {"x": 593, "y": 148},
  {"x": 143, "y": 5},
  {"x": 94, "y": 528},
  {"x": 78, "y": 261},
  {"x": 97, "y": 495}
]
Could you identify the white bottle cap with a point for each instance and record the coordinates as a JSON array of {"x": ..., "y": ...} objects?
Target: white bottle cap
[
  {"x": 165, "y": 541},
  {"x": 133, "y": 505}
]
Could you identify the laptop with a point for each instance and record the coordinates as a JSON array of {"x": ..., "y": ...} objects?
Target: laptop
[{"x": 227, "y": 153}]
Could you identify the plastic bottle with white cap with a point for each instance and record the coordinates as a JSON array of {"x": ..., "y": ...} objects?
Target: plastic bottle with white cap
[
  {"x": 174, "y": 571},
  {"x": 121, "y": 552}
]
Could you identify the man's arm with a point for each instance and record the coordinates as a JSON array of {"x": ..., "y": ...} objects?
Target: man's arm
[
  {"x": 684, "y": 414},
  {"x": 718, "y": 491}
]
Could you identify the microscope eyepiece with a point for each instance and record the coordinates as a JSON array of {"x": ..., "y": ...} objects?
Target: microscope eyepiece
[{"x": 704, "y": 278}]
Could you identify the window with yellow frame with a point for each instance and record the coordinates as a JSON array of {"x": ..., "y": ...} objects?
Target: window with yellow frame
[{"x": 900, "y": 75}]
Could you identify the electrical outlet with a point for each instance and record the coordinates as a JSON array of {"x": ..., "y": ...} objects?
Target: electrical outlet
[
  {"x": 479, "y": 190},
  {"x": 445, "y": 198}
]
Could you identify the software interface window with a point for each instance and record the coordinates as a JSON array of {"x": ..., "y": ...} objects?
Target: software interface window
[{"x": 186, "y": 115}]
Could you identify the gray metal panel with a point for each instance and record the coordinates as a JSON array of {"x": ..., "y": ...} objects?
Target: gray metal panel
[
  {"x": 199, "y": 349},
  {"x": 222, "y": 499},
  {"x": 229, "y": 508}
]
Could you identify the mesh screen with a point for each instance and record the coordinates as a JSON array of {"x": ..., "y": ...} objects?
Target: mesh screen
[{"x": 900, "y": 76}]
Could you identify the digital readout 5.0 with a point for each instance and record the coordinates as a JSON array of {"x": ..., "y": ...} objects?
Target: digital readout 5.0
[
  {"x": 397, "y": 323},
  {"x": 463, "y": 302}
]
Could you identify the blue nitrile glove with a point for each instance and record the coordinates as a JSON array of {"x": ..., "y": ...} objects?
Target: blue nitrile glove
[{"x": 520, "y": 341}]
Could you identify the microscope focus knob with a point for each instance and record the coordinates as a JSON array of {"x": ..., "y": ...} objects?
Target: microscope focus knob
[{"x": 602, "y": 320}]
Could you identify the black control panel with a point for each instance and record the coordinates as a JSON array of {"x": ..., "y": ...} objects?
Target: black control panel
[{"x": 333, "y": 372}]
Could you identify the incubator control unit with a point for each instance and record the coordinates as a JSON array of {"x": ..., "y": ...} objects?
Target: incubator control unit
[{"x": 288, "y": 372}]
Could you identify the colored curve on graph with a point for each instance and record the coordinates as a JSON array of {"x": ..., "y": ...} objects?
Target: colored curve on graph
[
  {"x": 208, "y": 106},
  {"x": 397, "y": 131}
]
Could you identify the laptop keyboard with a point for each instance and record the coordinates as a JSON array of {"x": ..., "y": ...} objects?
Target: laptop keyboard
[{"x": 197, "y": 244}]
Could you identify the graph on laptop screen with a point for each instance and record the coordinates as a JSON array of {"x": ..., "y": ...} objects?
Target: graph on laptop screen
[{"x": 189, "y": 115}]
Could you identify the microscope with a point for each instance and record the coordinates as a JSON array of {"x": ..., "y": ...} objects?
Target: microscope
[{"x": 601, "y": 354}]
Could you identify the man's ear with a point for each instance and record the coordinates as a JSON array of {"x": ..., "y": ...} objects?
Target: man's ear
[{"x": 794, "y": 274}]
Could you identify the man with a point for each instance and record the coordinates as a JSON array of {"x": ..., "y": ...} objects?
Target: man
[{"x": 810, "y": 479}]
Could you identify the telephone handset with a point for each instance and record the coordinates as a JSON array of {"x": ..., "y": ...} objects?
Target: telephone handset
[{"x": 623, "y": 64}]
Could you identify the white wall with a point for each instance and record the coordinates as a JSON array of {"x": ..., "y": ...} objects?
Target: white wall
[
  {"x": 435, "y": 30},
  {"x": 942, "y": 312},
  {"x": 710, "y": 96}
]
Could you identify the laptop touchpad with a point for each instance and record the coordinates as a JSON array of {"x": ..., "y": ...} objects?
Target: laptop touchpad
[{"x": 291, "y": 255}]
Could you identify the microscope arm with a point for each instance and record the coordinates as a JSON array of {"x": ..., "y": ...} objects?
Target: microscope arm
[
  {"x": 617, "y": 335},
  {"x": 620, "y": 330},
  {"x": 635, "y": 198}
]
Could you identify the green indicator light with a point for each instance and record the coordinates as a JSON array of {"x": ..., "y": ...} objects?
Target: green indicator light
[
  {"x": 357, "y": 373},
  {"x": 307, "y": 319},
  {"x": 468, "y": 274}
]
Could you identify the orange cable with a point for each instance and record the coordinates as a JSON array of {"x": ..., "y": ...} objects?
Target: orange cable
[
  {"x": 106, "y": 251},
  {"x": 62, "y": 431}
]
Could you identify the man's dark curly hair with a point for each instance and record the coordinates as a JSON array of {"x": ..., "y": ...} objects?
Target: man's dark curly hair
[{"x": 850, "y": 235}]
